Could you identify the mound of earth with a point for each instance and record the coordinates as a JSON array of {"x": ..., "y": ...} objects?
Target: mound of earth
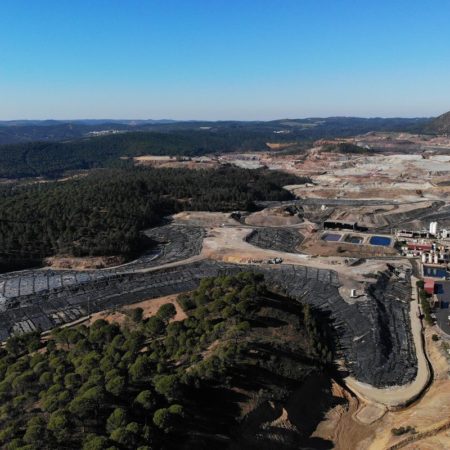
[
  {"x": 262, "y": 398},
  {"x": 280, "y": 239},
  {"x": 276, "y": 217},
  {"x": 173, "y": 242}
]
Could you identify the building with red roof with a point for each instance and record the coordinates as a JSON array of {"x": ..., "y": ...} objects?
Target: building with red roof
[
  {"x": 429, "y": 286},
  {"x": 420, "y": 247}
]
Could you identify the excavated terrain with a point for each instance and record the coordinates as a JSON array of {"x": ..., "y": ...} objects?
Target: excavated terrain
[
  {"x": 174, "y": 243},
  {"x": 441, "y": 214},
  {"x": 421, "y": 215},
  {"x": 372, "y": 334},
  {"x": 378, "y": 215},
  {"x": 280, "y": 239}
]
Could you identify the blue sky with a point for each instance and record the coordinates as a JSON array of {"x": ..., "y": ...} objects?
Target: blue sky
[{"x": 217, "y": 59}]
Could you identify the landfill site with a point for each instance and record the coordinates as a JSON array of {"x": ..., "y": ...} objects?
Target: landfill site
[{"x": 353, "y": 244}]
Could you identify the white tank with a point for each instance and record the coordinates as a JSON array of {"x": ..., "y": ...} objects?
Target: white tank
[
  {"x": 436, "y": 259},
  {"x": 433, "y": 228},
  {"x": 424, "y": 257},
  {"x": 430, "y": 258}
]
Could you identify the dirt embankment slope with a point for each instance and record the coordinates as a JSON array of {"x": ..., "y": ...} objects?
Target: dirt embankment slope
[
  {"x": 429, "y": 416},
  {"x": 85, "y": 263}
]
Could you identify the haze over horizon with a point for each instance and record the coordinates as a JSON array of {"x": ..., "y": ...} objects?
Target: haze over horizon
[{"x": 223, "y": 60}]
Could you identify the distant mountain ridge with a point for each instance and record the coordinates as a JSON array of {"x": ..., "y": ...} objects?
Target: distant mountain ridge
[
  {"x": 52, "y": 122},
  {"x": 136, "y": 122},
  {"x": 23, "y": 131}
]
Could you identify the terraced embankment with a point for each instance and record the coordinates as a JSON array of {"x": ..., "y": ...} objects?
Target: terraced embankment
[
  {"x": 280, "y": 239},
  {"x": 380, "y": 215},
  {"x": 373, "y": 334},
  {"x": 174, "y": 243}
]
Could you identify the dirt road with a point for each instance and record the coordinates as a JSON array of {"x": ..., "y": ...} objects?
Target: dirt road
[{"x": 402, "y": 395}]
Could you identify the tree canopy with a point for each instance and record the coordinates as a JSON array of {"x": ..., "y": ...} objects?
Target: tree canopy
[
  {"x": 104, "y": 212},
  {"x": 105, "y": 386}
]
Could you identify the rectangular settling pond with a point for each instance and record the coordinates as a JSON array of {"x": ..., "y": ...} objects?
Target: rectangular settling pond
[
  {"x": 354, "y": 239},
  {"x": 380, "y": 240},
  {"x": 331, "y": 237}
]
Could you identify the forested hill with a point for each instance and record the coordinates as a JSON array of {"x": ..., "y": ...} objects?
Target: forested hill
[
  {"x": 104, "y": 212},
  {"x": 53, "y": 158},
  {"x": 218, "y": 379},
  {"x": 43, "y": 152}
]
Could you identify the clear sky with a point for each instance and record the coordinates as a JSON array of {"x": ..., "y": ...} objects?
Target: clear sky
[{"x": 223, "y": 59}]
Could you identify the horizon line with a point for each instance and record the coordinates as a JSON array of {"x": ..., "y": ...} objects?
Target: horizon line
[{"x": 219, "y": 120}]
